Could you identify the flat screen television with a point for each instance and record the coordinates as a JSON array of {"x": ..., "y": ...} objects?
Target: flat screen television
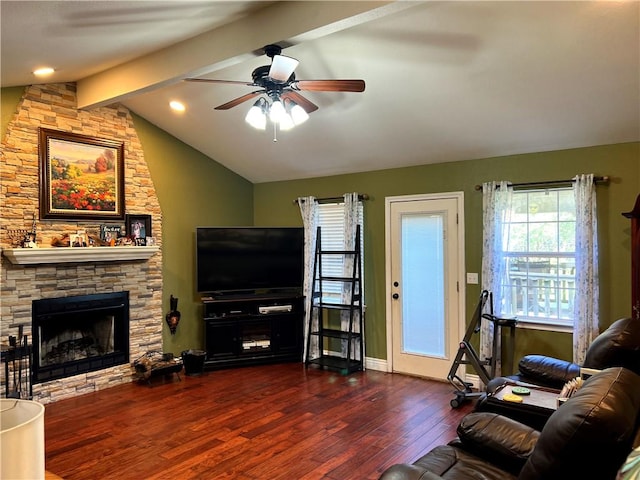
[{"x": 249, "y": 259}]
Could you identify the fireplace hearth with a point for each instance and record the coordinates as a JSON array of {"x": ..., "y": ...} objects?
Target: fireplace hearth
[{"x": 79, "y": 334}]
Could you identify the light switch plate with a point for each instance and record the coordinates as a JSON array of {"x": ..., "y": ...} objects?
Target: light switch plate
[{"x": 472, "y": 278}]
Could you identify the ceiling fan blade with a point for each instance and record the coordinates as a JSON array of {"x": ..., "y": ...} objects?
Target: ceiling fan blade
[
  {"x": 239, "y": 100},
  {"x": 300, "y": 100},
  {"x": 329, "y": 85},
  {"x": 209, "y": 80},
  {"x": 282, "y": 67}
]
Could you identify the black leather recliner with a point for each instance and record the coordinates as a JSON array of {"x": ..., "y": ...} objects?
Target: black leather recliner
[
  {"x": 617, "y": 346},
  {"x": 588, "y": 437}
]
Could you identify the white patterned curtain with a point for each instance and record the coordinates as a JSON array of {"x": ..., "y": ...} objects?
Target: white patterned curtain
[
  {"x": 496, "y": 210},
  {"x": 309, "y": 212},
  {"x": 585, "y": 310},
  {"x": 351, "y": 203}
]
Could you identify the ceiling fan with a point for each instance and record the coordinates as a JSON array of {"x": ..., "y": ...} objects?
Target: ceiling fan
[{"x": 278, "y": 82}]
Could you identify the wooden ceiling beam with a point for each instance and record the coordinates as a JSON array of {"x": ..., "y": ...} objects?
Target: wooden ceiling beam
[{"x": 288, "y": 22}]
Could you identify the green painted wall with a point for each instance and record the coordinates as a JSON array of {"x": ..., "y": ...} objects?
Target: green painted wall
[
  {"x": 9, "y": 98},
  {"x": 273, "y": 204},
  {"x": 193, "y": 190}
]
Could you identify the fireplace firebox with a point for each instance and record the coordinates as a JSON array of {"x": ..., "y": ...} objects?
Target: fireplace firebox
[{"x": 79, "y": 334}]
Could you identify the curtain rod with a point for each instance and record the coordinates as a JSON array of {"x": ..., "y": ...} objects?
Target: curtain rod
[
  {"x": 603, "y": 179},
  {"x": 361, "y": 197}
]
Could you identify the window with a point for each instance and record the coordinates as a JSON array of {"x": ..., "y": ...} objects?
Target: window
[
  {"x": 331, "y": 221},
  {"x": 539, "y": 254}
]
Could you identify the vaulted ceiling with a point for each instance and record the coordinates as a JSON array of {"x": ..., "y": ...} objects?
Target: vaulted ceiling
[{"x": 445, "y": 81}]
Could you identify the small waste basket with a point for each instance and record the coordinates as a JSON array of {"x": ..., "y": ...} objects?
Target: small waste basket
[
  {"x": 22, "y": 439},
  {"x": 193, "y": 361}
]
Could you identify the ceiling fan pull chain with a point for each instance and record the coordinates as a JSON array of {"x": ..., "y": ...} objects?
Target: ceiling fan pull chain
[{"x": 275, "y": 132}]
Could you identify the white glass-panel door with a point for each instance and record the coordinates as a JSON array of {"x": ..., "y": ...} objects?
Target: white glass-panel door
[{"x": 424, "y": 260}]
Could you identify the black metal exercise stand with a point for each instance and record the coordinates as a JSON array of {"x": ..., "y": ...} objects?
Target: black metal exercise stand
[{"x": 468, "y": 356}]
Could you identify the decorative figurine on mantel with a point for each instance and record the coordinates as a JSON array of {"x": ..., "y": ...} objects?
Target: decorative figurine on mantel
[
  {"x": 23, "y": 237},
  {"x": 30, "y": 238},
  {"x": 173, "y": 317}
]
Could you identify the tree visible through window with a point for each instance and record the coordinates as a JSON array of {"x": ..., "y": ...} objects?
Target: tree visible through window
[{"x": 539, "y": 251}]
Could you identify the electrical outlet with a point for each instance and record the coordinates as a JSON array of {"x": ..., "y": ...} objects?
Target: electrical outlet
[{"x": 472, "y": 278}]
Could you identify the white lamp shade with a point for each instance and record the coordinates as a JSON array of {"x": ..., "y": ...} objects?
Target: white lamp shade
[
  {"x": 277, "y": 111},
  {"x": 282, "y": 67},
  {"x": 256, "y": 118},
  {"x": 286, "y": 122},
  {"x": 299, "y": 114},
  {"x": 21, "y": 439}
]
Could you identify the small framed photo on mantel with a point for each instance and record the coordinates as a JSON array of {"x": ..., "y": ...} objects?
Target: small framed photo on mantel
[
  {"x": 109, "y": 234},
  {"x": 138, "y": 228},
  {"x": 79, "y": 239}
]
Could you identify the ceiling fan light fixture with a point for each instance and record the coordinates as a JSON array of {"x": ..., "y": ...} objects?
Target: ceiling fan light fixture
[
  {"x": 277, "y": 111},
  {"x": 281, "y": 103},
  {"x": 256, "y": 116},
  {"x": 282, "y": 67},
  {"x": 298, "y": 114},
  {"x": 286, "y": 122}
]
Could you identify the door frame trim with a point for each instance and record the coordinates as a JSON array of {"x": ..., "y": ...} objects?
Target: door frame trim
[{"x": 459, "y": 196}]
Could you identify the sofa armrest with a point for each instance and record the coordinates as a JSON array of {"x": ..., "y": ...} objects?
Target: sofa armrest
[
  {"x": 548, "y": 371},
  {"x": 405, "y": 471},
  {"x": 497, "y": 439}
]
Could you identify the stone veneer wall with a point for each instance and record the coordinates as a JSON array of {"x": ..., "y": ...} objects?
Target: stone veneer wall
[{"x": 53, "y": 106}]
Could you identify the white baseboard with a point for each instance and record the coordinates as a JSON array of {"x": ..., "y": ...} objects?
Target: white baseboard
[
  {"x": 370, "y": 363},
  {"x": 377, "y": 364},
  {"x": 381, "y": 365}
]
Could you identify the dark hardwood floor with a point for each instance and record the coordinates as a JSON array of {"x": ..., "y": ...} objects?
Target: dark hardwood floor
[{"x": 268, "y": 422}]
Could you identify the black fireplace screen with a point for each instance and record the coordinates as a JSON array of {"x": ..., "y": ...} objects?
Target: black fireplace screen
[{"x": 79, "y": 334}]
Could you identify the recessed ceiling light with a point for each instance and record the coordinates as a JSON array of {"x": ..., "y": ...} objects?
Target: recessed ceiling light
[
  {"x": 177, "y": 106},
  {"x": 43, "y": 72}
]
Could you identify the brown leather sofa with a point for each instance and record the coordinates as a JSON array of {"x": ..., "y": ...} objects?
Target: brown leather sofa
[
  {"x": 588, "y": 437},
  {"x": 617, "y": 346}
]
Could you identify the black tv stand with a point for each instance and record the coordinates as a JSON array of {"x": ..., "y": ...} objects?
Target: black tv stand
[{"x": 252, "y": 330}]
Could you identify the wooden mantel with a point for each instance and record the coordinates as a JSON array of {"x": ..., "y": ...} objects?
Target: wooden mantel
[
  {"x": 634, "y": 215},
  {"x": 36, "y": 256}
]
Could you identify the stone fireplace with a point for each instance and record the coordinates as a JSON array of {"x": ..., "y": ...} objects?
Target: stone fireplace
[{"x": 53, "y": 106}]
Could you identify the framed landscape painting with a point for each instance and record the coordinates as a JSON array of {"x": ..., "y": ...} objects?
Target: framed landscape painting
[{"x": 81, "y": 177}]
